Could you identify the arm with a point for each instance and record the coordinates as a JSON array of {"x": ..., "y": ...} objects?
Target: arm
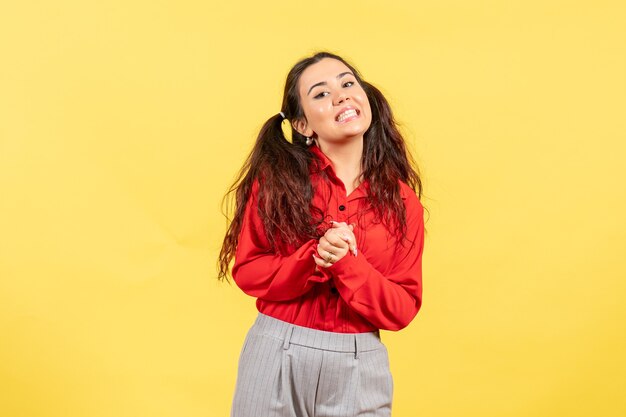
[
  {"x": 388, "y": 301},
  {"x": 262, "y": 273}
]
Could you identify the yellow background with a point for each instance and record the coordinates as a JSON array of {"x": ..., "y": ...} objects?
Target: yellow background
[{"x": 123, "y": 123}]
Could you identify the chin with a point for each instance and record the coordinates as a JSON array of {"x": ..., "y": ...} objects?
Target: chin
[
  {"x": 356, "y": 131},
  {"x": 350, "y": 138}
]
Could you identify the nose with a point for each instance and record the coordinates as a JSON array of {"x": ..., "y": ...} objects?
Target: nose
[{"x": 341, "y": 97}]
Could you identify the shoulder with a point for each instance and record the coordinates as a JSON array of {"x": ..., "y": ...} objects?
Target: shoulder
[
  {"x": 408, "y": 194},
  {"x": 410, "y": 199}
]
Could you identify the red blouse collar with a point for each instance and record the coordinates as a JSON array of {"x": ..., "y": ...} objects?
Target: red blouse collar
[{"x": 323, "y": 162}]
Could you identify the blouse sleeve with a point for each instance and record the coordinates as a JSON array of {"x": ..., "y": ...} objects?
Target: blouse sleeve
[
  {"x": 388, "y": 301},
  {"x": 263, "y": 273}
]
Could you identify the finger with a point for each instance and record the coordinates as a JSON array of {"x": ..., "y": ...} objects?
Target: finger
[
  {"x": 335, "y": 224},
  {"x": 347, "y": 236},
  {"x": 320, "y": 250},
  {"x": 335, "y": 240},
  {"x": 330, "y": 254},
  {"x": 342, "y": 227},
  {"x": 332, "y": 244},
  {"x": 353, "y": 249},
  {"x": 327, "y": 246},
  {"x": 346, "y": 232},
  {"x": 320, "y": 262},
  {"x": 329, "y": 257},
  {"x": 349, "y": 239}
]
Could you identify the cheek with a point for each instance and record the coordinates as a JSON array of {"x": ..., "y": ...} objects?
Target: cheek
[
  {"x": 364, "y": 102},
  {"x": 317, "y": 112},
  {"x": 367, "y": 109}
]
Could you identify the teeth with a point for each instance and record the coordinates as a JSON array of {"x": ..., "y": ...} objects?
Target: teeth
[{"x": 346, "y": 114}]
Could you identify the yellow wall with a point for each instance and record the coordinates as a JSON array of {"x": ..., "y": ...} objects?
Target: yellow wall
[{"x": 122, "y": 124}]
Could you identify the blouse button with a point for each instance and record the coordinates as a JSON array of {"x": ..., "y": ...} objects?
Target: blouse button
[{"x": 342, "y": 207}]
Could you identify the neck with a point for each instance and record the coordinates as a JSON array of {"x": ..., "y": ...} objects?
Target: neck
[{"x": 346, "y": 160}]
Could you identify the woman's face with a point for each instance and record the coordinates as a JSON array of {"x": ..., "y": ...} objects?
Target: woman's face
[{"x": 335, "y": 105}]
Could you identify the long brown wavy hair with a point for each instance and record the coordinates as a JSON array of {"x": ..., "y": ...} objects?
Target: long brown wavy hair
[{"x": 282, "y": 171}]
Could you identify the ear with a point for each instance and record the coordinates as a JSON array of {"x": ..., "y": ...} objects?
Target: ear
[{"x": 302, "y": 127}]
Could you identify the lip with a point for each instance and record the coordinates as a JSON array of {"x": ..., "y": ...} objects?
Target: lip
[{"x": 343, "y": 109}]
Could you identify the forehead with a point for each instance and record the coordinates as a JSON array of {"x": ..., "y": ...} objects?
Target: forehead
[{"x": 325, "y": 70}]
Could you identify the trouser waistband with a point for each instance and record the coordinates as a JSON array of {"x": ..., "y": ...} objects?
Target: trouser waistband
[{"x": 316, "y": 339}]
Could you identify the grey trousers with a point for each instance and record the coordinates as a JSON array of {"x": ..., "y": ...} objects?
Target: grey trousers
[{"x": 293, "y": 371}]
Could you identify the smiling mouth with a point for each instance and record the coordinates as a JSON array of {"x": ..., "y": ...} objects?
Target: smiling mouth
[{"x": 346, "y": 115}]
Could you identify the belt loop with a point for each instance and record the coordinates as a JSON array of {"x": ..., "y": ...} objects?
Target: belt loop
[
  {"x": 356, "y": 347},
  {"x": 288, "y": 334}
]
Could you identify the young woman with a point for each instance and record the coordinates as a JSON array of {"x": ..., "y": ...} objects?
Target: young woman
[{"x": 328, "y": 235}]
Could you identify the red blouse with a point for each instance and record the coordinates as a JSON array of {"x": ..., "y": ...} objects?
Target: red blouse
[{"x": 380, "y": 288}]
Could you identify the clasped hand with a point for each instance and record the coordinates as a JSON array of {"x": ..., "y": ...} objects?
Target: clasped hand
[{"x": 335, "y": 244}]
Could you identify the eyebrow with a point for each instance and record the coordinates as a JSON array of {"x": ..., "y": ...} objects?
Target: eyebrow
[{"x": 325, "y": 83}]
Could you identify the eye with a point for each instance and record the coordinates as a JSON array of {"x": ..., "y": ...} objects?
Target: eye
[
  {"x": 322, "y": 94},
  {"x": 348, "y": 84}
]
